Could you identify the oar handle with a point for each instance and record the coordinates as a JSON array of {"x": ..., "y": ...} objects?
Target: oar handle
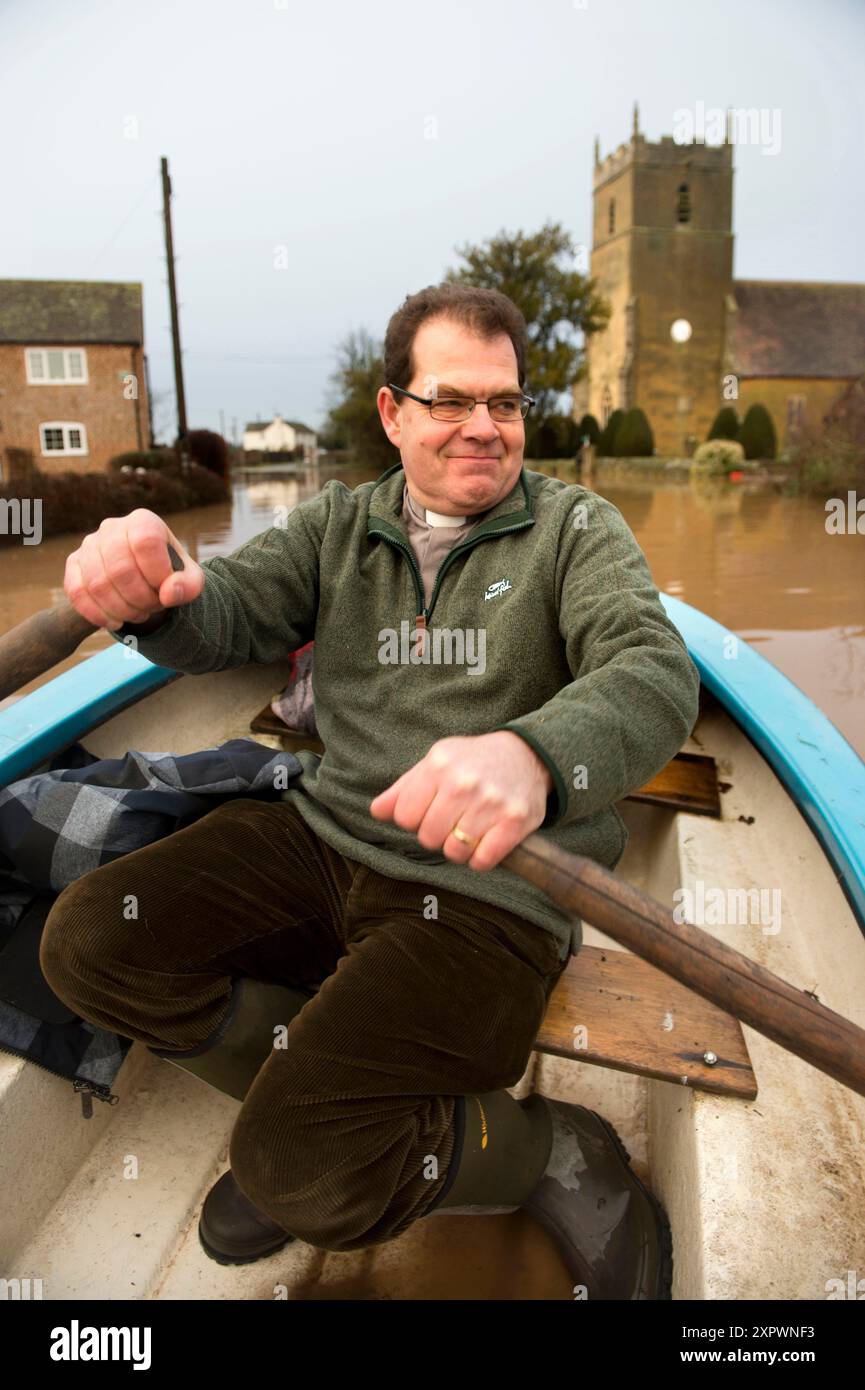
[
  {"x": 46, "y": 638},
  {"x": 791, "y": 1018}
]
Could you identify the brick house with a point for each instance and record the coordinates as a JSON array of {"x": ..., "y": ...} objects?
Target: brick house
[{"x": 73, "y": 373}]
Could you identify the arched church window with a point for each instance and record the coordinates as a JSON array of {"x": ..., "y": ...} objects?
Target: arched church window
[
  {"x": 606, "y": 405},
  {"x": 612, "y": 226},
  {"x": 683, "y": 208}
]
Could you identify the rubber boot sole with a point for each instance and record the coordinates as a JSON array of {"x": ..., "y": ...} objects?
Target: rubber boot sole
[
  {"x": 222, "y": 1259},
  {"x": 664, "y": 1284}
]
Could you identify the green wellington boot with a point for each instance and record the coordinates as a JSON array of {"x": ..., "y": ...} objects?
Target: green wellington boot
[
  {"x": 567, "y": 1167},
  {"x": 232, "y": 1230}
]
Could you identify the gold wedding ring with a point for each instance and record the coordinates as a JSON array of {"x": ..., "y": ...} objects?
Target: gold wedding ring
[{"x": 462, "y": 836}]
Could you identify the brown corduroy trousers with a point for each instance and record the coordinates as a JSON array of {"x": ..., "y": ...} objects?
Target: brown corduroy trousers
[{"x": 347, "y": 1133}]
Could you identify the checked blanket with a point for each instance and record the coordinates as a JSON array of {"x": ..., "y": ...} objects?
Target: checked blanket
[{"x": 79, "y": 813}]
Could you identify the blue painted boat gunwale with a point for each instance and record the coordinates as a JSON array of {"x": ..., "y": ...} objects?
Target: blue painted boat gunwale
[
  {"x": 64, "y": 709},
  {"x": 822, "y": 773}
]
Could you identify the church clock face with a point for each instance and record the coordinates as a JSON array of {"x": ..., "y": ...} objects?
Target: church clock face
[{"x": 680, "y": 331}]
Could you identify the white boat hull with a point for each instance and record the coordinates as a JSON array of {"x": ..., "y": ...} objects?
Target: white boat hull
[{"x": 766, "y": 1198}]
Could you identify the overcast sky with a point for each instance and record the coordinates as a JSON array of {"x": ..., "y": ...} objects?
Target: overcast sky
[{"x": 327, "y": 159}]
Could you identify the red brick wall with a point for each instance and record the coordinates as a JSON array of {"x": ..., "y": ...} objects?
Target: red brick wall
[{"x": 113, "y": 423}]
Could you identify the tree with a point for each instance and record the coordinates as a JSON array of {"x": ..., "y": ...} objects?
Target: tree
[
  {"x": 354, "y": 416},
  {"x": 608, "y": 434},
  {"x": 725, "y": 425},
  {"x": 561, "y": 307},
  {"x": 757, "y": 435},
  {"x": 634, "y": 437},
  {"x": 209, "y": 450}
]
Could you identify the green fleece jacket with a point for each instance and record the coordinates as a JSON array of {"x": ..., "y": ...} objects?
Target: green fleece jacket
[{"x": 543, "y": 620}]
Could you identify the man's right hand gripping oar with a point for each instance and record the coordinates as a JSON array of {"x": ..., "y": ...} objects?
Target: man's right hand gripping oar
[{"x": 123, "y": 572}]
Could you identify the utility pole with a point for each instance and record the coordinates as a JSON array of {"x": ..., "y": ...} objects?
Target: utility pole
[{"x": 175, "y": 324}]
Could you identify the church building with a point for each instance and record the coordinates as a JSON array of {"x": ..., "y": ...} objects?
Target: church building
[{"x": 685, "y": 338}]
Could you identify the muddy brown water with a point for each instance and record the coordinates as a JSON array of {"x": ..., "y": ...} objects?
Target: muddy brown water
[{"x": 762, "y": 564}]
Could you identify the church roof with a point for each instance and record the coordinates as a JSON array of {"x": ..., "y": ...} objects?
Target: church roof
[{"x": 798, "y": 328}]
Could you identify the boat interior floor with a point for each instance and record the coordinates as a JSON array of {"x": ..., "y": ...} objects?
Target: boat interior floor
[{"x": 766, "y": 1195}]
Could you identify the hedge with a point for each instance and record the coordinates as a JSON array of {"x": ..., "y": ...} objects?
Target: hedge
[{"x": 80, "y": 501}]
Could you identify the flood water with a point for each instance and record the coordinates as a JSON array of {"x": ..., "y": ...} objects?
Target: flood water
[{"x": 762, "y": 564}]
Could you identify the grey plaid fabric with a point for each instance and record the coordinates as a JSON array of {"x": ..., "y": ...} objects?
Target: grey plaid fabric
[{"x": 62, "y": 822}]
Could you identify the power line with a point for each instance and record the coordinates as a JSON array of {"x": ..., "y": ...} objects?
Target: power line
[{"x": 126, "y": 219}]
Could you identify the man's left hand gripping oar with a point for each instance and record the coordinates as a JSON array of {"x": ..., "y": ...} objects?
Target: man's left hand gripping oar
[{"x": 473, "y": 798}]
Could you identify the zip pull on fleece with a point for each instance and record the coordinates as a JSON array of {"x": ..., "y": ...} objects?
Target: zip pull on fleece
[{"x": 420, "y": 625}]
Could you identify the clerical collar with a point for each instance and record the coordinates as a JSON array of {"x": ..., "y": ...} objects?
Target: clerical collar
[{"x": 435, "y": 518}]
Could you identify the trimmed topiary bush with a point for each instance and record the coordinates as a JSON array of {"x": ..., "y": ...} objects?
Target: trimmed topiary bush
[
  {"x": 757, "y": 435},
  {"x": 589, "y": 426},
  {"x": 634, "y": 438},
  {"x": 554, "y": 437},
  {"x": 726, "y": 424},
  {"x": 607, "y": 437}
]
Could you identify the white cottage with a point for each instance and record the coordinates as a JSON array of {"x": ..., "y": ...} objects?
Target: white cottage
[{"x": 276, "y": 435}]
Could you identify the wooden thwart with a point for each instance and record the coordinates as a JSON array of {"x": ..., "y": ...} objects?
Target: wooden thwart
[
  {"x": 637, "y": 1019},
  {"x": 689, "y": 782}
]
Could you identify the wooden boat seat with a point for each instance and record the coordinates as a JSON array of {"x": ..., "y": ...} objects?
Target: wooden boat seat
[
  {"x": 610, "y": 1007},
  {"x": 616, "y": 1010},
  {"x": 689, "y": 782}
]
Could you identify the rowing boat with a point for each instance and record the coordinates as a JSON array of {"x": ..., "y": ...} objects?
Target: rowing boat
[{"x": 757, "y": 1156}]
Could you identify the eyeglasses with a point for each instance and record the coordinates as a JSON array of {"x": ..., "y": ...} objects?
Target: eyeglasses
[{"x": 456, "y": 408}]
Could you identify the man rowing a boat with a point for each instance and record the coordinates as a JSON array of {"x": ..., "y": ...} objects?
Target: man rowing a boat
[{"x": 350, "y": 960}]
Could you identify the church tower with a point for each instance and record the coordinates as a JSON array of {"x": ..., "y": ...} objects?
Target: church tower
[{"x": 662, "y": 254}]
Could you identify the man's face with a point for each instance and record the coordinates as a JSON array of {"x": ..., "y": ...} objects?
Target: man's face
[{"x": 456, "y": 469}]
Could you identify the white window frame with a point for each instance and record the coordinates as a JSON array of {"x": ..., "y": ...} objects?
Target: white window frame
[
  {"x": 67, "y": 451},
  {"x": 66, "y": 379}
]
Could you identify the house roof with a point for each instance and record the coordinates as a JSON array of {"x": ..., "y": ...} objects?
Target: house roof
[
  {"x": 265, "y": 424},
  {"x": 71, "y": 311},
  {"x": 798, "y": 328}
]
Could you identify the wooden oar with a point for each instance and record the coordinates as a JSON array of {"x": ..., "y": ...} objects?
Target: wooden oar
[
  {"x": 41, "y": 641},
  {"x": 582, "y": 888}
]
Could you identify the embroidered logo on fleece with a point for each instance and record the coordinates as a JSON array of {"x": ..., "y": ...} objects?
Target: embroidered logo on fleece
[{"x": 496, "y": 589}]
